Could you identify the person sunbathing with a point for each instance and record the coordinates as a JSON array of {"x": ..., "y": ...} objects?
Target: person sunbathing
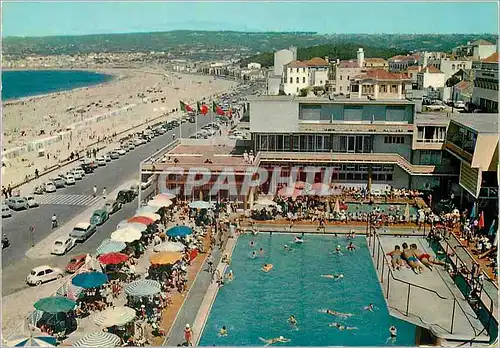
[
  {"x": 411, "y": 259},
  {"x": 396, "y": 258},
  {"x": 270, "y": 341},
  {"x": 426, "y": 259}
]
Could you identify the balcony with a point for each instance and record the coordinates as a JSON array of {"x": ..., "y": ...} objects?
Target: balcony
[
  {"x": 488, "y": 193},
  {"x": 342, "y": 127},
  {"x": 428, "y": 144}
]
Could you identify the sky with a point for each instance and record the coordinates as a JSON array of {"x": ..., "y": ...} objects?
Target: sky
[{"x": 80, "y": 18}]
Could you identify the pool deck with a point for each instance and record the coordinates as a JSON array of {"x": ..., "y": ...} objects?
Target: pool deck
[{"x": 433, "y": 296}]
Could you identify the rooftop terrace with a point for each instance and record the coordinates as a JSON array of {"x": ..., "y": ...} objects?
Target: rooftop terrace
[{"x": 481, "y": 123}]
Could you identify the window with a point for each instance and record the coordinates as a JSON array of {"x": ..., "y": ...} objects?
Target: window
[
  {"x": 348, "y": 88},
  {"x": 383, "y": 88},
  {"x": 340, "y": 77},
  {"x": 347, "y": 77},
  {"x": 320, "y": 82},
  {"x": 303, "y": 80},
  {"x": 291, "y": 79},
  {"x": 297, "y": 79},
  {"x": 263, "y": 142},
  {"x": 303, "y": 69},
  {"x": 391, "y": 139},
  {"x": 286, "y": 143},
  {"x": 296, "y": 143},
  {"x": 428, "y": 157},
  {"x": 394, "y": 89},
  {"x": 340, "y": 89},
  {"x": 297, "y": 69},
  {"x": 453, "y": 67}
]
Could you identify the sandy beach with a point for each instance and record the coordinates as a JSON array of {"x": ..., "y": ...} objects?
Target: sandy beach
[{"x": 75, "y": 119}]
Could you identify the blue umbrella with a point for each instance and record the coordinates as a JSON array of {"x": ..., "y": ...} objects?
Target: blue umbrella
[
  {"x": 90, "y": 280},
  {"x": 473, "y": 211},
  {"x": 179, "y": 231},
  {"x": 492, "y": 229},
  {"x": 40, "y": 340}
]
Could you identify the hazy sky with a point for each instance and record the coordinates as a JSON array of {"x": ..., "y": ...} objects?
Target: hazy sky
[{"x": 76, "y": 18}]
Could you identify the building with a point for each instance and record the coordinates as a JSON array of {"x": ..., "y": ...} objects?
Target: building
[
  {"x": 344, "y": 71},
  {"x": 450, "y": 65},
  {"x": 375, "y": 63},
  {"x": 473, "y": 140},
  {"x": 401, "y": 63},
  {"x": 430, "y": 77},
  {"x": 485, "y": 94},
  {"x": 275, "y": 76},
  {"x": 413, "y": 73},
  {"x": 254, "y": 66},
  {"x": 298, "y": 75},
  {"x": 380, "y": 84},
  {"x": 479, "y": 49},
  {"x": 356, "y": 141},
  {"x": 424, "y": 57}
]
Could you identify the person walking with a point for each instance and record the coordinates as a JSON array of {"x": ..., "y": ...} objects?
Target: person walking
[
  {"x": 9, "y": 191},
  {"x": 94, "y": 191},
  {"x": 104, "y": 193},
  {"x": 210, "y": 263}
]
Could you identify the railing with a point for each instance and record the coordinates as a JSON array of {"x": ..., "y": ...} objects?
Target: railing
[
  {"x": 441, "y": 141},
  {"x": 387, "y": 275}
]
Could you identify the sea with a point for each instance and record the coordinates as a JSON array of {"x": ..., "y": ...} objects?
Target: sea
[{"x": 26, "y": 83}]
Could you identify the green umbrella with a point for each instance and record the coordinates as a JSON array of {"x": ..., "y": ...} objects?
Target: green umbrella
[{"x": 55, "y": 304}]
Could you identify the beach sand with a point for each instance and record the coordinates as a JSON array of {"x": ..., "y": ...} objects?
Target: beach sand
[{"x": 147, "y": 93}]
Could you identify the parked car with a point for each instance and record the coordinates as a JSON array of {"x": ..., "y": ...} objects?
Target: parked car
[
  {"x": 107, "y": 158},
  {"x": 436, "y": 107},
  {"x": 112, "y": 206},
  {"x": 99, "y": 217},
  {"x": 32, "y": 202},
  {"x": 75, "y": 263},
  {"x": 114, "y": 155},
  {"x": 62, "y": 245},
  {"x": 120, "y": 151},
  {"x": 130, "y": 145},
  {"x": 87, "y": 168},
  {"x": 125, "y": 196},
  {"x": 138, "y": 142},
  {"x": 100, "y": 161},
  {"x": 17, "y": 203},
  {"x": 49, "y": 187},
  {"x": 6, "y": 211},
  {"x": 42, "y": 274},
  {"x": 78, "y": 173},
  {"x": 68, "y": 178},
  {"x": 82, "y": 231},
  {"x": 459, "y": 104},
  {"x": 58, "y": 182}
]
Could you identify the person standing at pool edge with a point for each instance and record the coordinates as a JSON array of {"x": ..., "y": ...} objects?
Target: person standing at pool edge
[{"x": 188, "y": 335}]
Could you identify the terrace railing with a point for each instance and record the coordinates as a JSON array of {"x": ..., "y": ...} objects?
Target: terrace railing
[{"x": 387, "y": 278}]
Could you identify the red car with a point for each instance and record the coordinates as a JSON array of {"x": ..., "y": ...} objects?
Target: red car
[{"x": 75, "y": 263}]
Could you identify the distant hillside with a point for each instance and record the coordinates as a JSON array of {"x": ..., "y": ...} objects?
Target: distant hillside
[
  {"x": 255, "y": 42},
  {"x": 333, "y": 51}
]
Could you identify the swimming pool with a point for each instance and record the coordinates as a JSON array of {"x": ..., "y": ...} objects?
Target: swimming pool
[
  {"x": 368, "y": 208},
  {"x": 257, "y": 304}
]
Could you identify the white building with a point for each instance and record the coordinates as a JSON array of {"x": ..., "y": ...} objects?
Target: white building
[
  {"x": 430, "y": 77},
  {"x": 310, "y": 73},
  {"x": 345, "y": 70},
  {"x": 424, "y": 57},
  {"x": 401, "y": 63},
  {"x": 450, "y": 65},
  {"x": 254, "y": 66},
  {"x": 479, "y": 49},
  {"x": 485, "y": 94},
  {"x": 283, "y": 57},
  {"x": 380, "y": 84}
]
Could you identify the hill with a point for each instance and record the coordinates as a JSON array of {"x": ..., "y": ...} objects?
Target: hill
[{"x": 252, "y": 42}]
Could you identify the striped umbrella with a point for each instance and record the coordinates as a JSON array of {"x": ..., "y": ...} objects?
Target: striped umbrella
[
  {"x": 40, "y": 340},
  {"x": 69, "y": 290},
  {"x": 98, "y": 339},
  {"x": 110, "y": 246},
  {"x": 143, "y": 287},
  {"x": 115, "y": 316},
  {"x": 163, "y": 197},
  {"x": 167, "y": 195}
]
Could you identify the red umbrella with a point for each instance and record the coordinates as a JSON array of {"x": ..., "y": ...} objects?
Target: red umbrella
[
  {"x": 112, "y": 258},
  {"x": 142, "y": 220}
]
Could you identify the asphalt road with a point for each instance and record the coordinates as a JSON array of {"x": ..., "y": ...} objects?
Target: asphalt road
[{"x": 114, "y": 174}]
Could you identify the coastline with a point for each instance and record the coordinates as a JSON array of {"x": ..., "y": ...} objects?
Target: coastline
[{"x": 14, "y": 101}]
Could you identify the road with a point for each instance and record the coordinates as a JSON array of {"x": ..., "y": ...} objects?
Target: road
[{"x": 111, "y": 176}]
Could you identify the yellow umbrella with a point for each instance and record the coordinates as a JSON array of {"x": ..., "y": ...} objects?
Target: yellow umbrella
[{"x": 165, "y": 258}]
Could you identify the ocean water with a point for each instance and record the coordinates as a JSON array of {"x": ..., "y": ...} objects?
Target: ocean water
[
  {"x": 257, "y": 305},
  {"x": 25, "y": 83}
]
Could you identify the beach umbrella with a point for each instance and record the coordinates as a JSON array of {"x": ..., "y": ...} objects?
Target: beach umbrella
[
  {"x": 134, "y": 225},
  {"x": 88, "y": 280},
  {"x": 55, "y": 304},
  {"x": 141, "y": 220},
  {"x": 481, "y": 220},
  {"x": 407, "y": 212},
  {"x": 126, "y": 235},
  {"x": 143, "y": 287},
  {"x": 266, "y": 202},
  {"x": 161, "y": 198},
  {"x": 32, "y": 340},
  {"x": 146, "y": 209},
  {"x": 112, "y": 258},
  {"x": 160, "y": 203},
  {"x": 35, "y": 316},
  {"x": 69, "y": 290},
  {"x": 115, "y": 316},
  {"x": 179, "y": 231},
  {"x": 167, "y": 195},
  {"x": 98, "y": 339},
  {"x": 110, "y": 246},
  {"x": 152, "y": 216},
  {"x": 165, "y": 258},
  {"x": 200, "y": 205},
  {"x": 169, "y": 246},
  {"x": 336, "y": 208}
]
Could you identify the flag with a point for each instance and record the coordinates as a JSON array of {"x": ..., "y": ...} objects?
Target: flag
[
  {"x": 204, "y": 109},
  {"x": 481, "y": 221},
  {"x": 185, "y": 107},
  {"x": 217, "y": 109},
  {"x": 198, "y": 107}
]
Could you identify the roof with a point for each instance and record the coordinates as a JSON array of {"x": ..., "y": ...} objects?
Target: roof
[
  {"x": 316, "y": 61},
  {"x": 491, "y": 59},
  {"x": 379, "y": 74},
  {"x": 375, "y": 60},
  {"x": 296, "y": 64},
  {"x": 348, "y": 64},
  {"x": 416, "y": 68},
  {"x": 431, "y": 118},
  {"x": 486, "y": 144},
  {"x": 83, "y": 225},
  {"x": 481, "y": 42},
  {"x": 431, "y": 70},
  {"x": 396, "y": 58},
  {"x": 41, "y": 268},
  {"x": 465, "y": 87},
  {"x": 481, "y": 123}
]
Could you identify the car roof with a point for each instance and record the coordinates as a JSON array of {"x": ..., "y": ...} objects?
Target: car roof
[
  {"x": 83, "y": 225},
  {"x": 41, "y": 268},
  {"x": 99, "y": 211},
  {"x": 61, "y": 239}
]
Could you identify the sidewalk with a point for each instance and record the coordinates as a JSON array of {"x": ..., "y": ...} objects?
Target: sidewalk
[{"x": 42, "y": 249}]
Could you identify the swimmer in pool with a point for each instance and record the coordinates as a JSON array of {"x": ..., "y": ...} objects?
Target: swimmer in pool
[
  {"x": 267, "y": 267},
  {"x": 351, "y": 246},
  {"x": 370, "y": 307},
  {"x": 252, "y": 244},
  {"x": 261, "y": 251},
  {"x": 333, "y": 276},
  {"x": 254, "y": 255},
  {"x": 342, "y": 327},
  {"x": 230, "y": 275},
  {"x": 393, "y": 333},
  {"x": 335, "y": 313},
  {"x": 298, "y": 240},
  {"x": 223, "y": 332},
  {"x": 338, "y": 250},
  {"x": 293, "y": 321},
  {"x": 287, "y": 248},
  {"x": 270, "y": 341}
]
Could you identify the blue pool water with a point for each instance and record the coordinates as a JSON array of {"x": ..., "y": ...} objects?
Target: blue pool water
[
  {"x": 367, "y": 208},
  {"x": 257, "y": 304},
  {"x": 25, "y": 83}
]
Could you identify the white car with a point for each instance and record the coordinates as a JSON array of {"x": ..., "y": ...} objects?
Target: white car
[
  {"x": 120, "y": 151},
  {"x": 32, "y": 203},
  {"x": 69, "y": 179},
  {"x": 6, "y": 212},
  {"x": 130, "y": 145},
  {"x": 49, "y": 187},
  {"x": 138, "y": 142},
  {"x": 107, "y": 157},
  {"x": 62, "y": 245},
  {"x": 459, "y": 104},
  {"x": 42, "y": 274},
  {"x": 78, "y": 172},
  {"x": 100, "y": 161}
]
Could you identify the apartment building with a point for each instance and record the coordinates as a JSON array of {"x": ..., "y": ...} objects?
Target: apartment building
[
  {"x": 364, "y": 142},
  {"x": 298, "y": 75},
  {"x": 485, "y": 93},
  {"x": 430, "y": 77},
  {"x": 479, "y": 49},
  {"x": 380, "y": 84},
  {"x": 402, "y": 63},
  {"x": 450, "y": 65}
]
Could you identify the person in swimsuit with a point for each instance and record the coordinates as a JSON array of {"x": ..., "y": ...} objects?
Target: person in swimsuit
[
  {"x": 336, "y": 314},
  {"x": 393, "y": 333},
  {"x": 287, "y": 248},
  {"x": 333, "y": 276},
  {"x": 267, "y": 267},
  {"x": 298, "y": 240},
  {"x": 252, "y": 244},
  {"x": 254, "y": 255},
  {"x": 396, "y": 258},
  {"x": 223, "y": 332},
  {"x": 338, "y": 250},
  {"x": 426, "y": 259},
  {"x": 270, "y": 341},
  {"x": 261, "y": 251},
  {"x": 411, "y": 259},
  {"x": 370, "y": 307},
  {"x": 230, "y": 275},
  {"x": 293, "y": 321},
  {"x": 351, "y": 247},
  {"x": 342, "y": 327}
]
